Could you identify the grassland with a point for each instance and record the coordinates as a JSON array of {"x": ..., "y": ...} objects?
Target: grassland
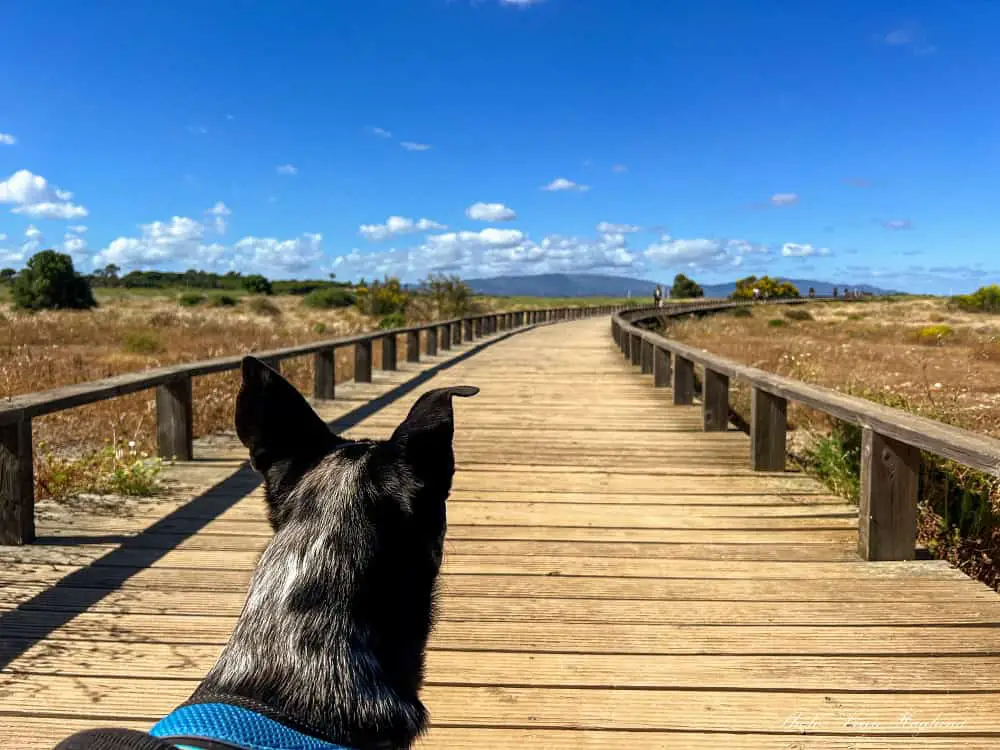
[
  {"x": 133, "y": 330},
  {"x": 921, "y": 355}
]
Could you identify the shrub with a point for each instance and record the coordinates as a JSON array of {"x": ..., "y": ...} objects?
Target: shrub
[
  {"x": 382, "y": 297},
  {"x": 451, "y": 295},
  {"x": 934, "y": 334},
  {"x": 319, "y": 328},
  {"x": 257, "y": 284},
  {"x": 263, "y": 306},
  {"x": 223, "y": 300},
  {"x": 327, "y": 299},
  {"x": 142, "y": 342},
  {"x": 392, "y": 320},
  {"x": 856, "y": 317},
  {"x": 191, "y": 299},
  {"x": 685, "y": 288},
  {"x": 163, "y": 319},
  {"x": 798, "y": 315},
  {"x": 7, "y": 275},
  {"x": 769, "y": 288},
  {"x": 776, "y": 323},
  {"x": 986, "y": 299},
  {"x": 742, "y": 312},
  {"x": 51, "y": 283}
]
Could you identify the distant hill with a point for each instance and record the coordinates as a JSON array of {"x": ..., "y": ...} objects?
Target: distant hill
[{"x": 596, "y": 285}]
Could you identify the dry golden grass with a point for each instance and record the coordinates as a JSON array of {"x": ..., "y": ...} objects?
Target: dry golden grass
[{"x": 131, "y": 332}]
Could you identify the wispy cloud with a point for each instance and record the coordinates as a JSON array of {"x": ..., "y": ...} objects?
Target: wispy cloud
[
  {"x": 619, "y": 169},
  {"x": 288, "y": 169},
  {"x": 6, "y": 139},
  {"x": 784, "y": 199},
  {"x": 896, "y": 225},
  {"x": 561, "y": 184},
  {"x": 910, "y": 36},
  {"x": 411, "y": 146},
  {"x": 858, "y": 182},
  {"x": 197, "y": 129},
  {"x": 397, "y": 225},
  {"x": 795, "y": 250},
  {"x": 380, "y": 132}
]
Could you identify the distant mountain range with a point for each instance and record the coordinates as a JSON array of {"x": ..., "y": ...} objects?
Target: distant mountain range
[{"x": 595, "y": 285}]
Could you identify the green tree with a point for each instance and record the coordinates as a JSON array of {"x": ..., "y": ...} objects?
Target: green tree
[
  {"x": 51, "y": 283},
  {"x": 257, "y": 284},
  {"x": 451, "y": 295},
  {"x": 685, "y": 288},
  {"x": 7, "y": 275}
]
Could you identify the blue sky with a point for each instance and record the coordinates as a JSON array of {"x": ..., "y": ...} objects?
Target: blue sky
[{"x": 848, "y": 141}]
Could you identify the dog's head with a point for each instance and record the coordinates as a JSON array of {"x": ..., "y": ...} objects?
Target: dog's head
[{"x": 348, "y": 579}]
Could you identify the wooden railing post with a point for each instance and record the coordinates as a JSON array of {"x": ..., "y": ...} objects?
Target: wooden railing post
[
  {"x": 324, "y": 374},
  {"x": 715, "y": 401},
  {"x": 626, "y": 344},
  {"x": 768, "y": 427},
  {"x": 456, "y": 334},
  {"x": 661, "y": 368},
  {"x": 887, "y": 508},
  {"x": 363, "y": 361},
  {"x": 468, "y": 331},
  {"x": 431, "y": 345},
  {"x": 636, "y": 349},
  {"x": 17, "y": 483},
  {"x": 647, "y": 357},
  {"x": 174, "y": 419},
  {"x": 444, "y": 338},
  {"x": 683, "y": 381},
  {"x": 413, "y": 346},
  {"x": 389, "y": 352}
]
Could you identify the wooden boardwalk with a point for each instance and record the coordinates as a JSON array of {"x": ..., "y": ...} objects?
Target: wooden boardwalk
[{"x": 615, "y": 578}]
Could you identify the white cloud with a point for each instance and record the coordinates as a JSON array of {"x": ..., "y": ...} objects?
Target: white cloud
[
  {"x": 34, "y": 196},
  {"x": 784, "y": 199},
  {"x": 521, "y": 3},
  {"x": 562, "y": 184},
  {"x": 33, "y": 239},
  {"x": 78, "y": 228},
  {"x": 197, "y": 129},
  {"x": 74, "y": 245},
  {"x": 381, "y": 132},
  {"x": 896, "y": 225},
  {"x": 795, "y": 250},
  {"x": 219, "y": 213},
  {"x": 411, "y": 146},
  {"x": 33, "y": 232},
  {"x": 288, "y": 169},
  {"x": 490, "y": 212},
  {"x": 6, "y": 139},
  {"x": 284, "y": 255},
  {"x": 3, "y": 237},
  {"x": 180, "y": 242},
  {"x": 692, "y": 253},
  {"x": 619, "y": 169},
  {"x": 396, "y": 225},
  {"x": 607, "y": 228}
]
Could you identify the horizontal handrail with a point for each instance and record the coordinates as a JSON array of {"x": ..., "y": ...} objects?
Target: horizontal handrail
[
  {"x": 174, "y": 395},
  {"x": 892, "y": 438}
]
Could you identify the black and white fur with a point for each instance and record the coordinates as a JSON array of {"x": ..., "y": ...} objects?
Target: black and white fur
[{"x": 341, "y": 603}]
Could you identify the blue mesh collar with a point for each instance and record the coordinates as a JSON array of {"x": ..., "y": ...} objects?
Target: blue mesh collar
[{"x": 233, "y": 725}]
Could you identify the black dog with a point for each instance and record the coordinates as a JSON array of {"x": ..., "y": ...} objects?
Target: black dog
[{"x": 329, "y": 649}]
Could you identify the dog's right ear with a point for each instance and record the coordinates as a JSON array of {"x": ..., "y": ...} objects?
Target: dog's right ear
[{"x": 274, "y": 421}]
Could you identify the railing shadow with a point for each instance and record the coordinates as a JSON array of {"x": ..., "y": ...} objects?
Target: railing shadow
[{"x": 37, "y": 618}]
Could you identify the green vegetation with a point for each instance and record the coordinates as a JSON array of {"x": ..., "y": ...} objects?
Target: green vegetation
[
  {"x": 382, "y": 298},
  {"x": 116, "y": 469},
  {"x": 451, "y": 295},
  {"x": 799, "y": 315},
  {"x": 191, "y": 299},
  {"x": 51, "y": 283},
  {"x": 776, "y": 322},
  {"x": 984, "y": 300},
  {"x": 769, "y": 288},
  {"x": 392, "y": 320},
  {"x": 257, "y": 284},
  {"x": 685, "y": 288},
  {"x": 142, "y": 342},
  {"x": 328, "y": 299},
  {"x": 223, "y": 300}
]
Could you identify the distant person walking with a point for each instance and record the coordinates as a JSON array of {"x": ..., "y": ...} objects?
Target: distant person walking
[{"x": 658, "y": 296}]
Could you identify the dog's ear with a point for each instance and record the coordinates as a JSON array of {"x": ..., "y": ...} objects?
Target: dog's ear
[
  {"x": 274, "y": 421},
  {"x": 425, "y": 436}
]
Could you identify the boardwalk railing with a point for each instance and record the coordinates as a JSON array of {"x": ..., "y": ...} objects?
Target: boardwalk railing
[
  {"x": 891, "y": 439},
  {"x": 174, "y": 394}
]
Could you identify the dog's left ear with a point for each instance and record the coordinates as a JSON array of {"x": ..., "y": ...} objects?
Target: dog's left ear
[
  {"x": 426, "y": 434},
  {"x": 274, "y": 421}
]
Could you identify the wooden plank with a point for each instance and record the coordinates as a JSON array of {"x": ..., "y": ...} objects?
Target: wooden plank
[
  {"x": 890, "y": 479},
  {"x": 493, "y": 706}
]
